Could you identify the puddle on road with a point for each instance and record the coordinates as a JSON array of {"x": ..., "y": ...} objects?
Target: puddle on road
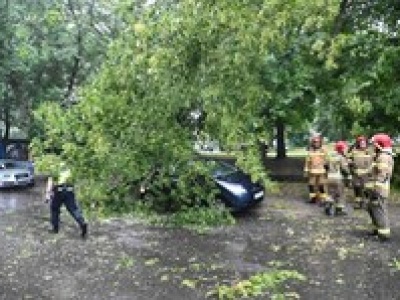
[{"x": 11, "y": 201}]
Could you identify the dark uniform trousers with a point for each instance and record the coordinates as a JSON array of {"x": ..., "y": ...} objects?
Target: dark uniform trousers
[{"x": 65, "y": 195}]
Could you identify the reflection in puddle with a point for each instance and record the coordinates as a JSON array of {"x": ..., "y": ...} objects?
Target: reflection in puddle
[{"x": 8, "y": 202}]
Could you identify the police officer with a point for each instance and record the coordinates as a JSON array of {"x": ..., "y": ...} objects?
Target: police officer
[
  {"x": 337, "y": 171},
  {"x": 60, "y": 191},
  {"x": 360, "y": 161},
  {"x": 315, "y": 170},
  {"x": 380, "y": 185}
]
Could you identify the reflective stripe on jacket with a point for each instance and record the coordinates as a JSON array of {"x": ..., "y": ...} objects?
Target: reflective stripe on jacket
[
  {"x": 315, "y": 161},
  {"x": 64, "y": 177},
  {"x": 337, "y": 165},
  {"x": 382, "y": 173},
  {"x": 361, "y": 161}
]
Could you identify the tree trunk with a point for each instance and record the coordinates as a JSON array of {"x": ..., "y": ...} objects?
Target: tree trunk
[
  {"x": 280, "y": 139},
  {"x": 263, "y": 150},
  {"x": 76, "y": 65},
  {"x": 340, "y": 18},
  {"x": 7, "y": 125},
  {"x": 4, "y": 135}
]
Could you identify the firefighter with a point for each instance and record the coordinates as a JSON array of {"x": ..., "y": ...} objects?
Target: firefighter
[
  {"x": 60, "y": 191},
  {"x": 360, "y": 161},
  {"x": 315, "y": 170},
  {"x": 338, "y": 170},
  {"x": 380, "y": 185}
]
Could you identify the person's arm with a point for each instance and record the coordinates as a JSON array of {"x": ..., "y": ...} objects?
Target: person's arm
[
  {"x": 49, "y": 188},
  {"x": 344, "y": 166},
  {"x": 306, "y": 165},
  {"x": 327, "y": 160},
  {"x": 350, "y": 161},
  {"x": 384, "y": 168}
]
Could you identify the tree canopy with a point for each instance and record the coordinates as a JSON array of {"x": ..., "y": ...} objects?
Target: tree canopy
[
  {"x": 49, "y": 48},
  {"x": 247, "y": 65}
]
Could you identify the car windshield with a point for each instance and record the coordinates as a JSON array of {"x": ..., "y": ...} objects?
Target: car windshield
[
  {"x": 219, "y": 168},
  {"x": 216, "y": 168}
]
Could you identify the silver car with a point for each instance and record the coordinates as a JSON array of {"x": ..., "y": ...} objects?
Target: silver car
[{"x": 16, "y": 173}]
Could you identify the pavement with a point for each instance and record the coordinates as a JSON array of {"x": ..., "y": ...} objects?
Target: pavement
[{"x": 127, "y": 259}]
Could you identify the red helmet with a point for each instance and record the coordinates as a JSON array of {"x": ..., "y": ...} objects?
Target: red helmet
[
  {"x": 340, "y": 147},
  {"x": 382, "y": 140}
]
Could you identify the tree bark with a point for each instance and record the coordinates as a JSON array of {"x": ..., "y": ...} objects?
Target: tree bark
[
  {"x": 280, "y": 139},
  {"x": 263, "y": 150},
  {"x": 340, "y": 18},
  {"x": 77, "y": 58},
  {"x": 7, "y": 125}
]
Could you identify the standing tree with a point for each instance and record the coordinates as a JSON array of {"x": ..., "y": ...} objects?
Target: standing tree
[
  {"x": 361, "y": 56},
  {"x": 246, "y": 65},
  {"x": 48, "y": 48}
]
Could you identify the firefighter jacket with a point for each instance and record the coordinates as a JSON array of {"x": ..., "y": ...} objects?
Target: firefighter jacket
[
  {"x": 316, "y": 160},
  {"x": 382, "y": 172},
  {"x": 338, "y": 167},
  {"x": 361, "y": 161}
]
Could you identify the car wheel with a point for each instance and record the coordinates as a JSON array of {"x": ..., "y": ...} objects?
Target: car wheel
[{"x": 31, "y": 184}]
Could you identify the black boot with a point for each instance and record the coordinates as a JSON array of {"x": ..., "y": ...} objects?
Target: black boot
[
  {"x": 54, "y": 230},
  {"x": 340, "y": 211},
  {"x": 373, "y": 232},
  {"x": 84, "y": 230},
  {"x": 383, "y": 237},
  {"x": 329, "y": 209},
  {"x": 363, "y": 204}
]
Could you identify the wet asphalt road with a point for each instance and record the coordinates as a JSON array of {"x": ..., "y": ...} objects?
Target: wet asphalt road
[{"x": 123, "y": 259}]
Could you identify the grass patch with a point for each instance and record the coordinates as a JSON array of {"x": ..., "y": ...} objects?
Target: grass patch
[
  {"x": 125, "y": 262},
  {"x": 219, "y": 155},
  {"x": 395, "y": 265},
  {"x": 265, "y": 283},
  {"x": 297, "y": 152}
]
